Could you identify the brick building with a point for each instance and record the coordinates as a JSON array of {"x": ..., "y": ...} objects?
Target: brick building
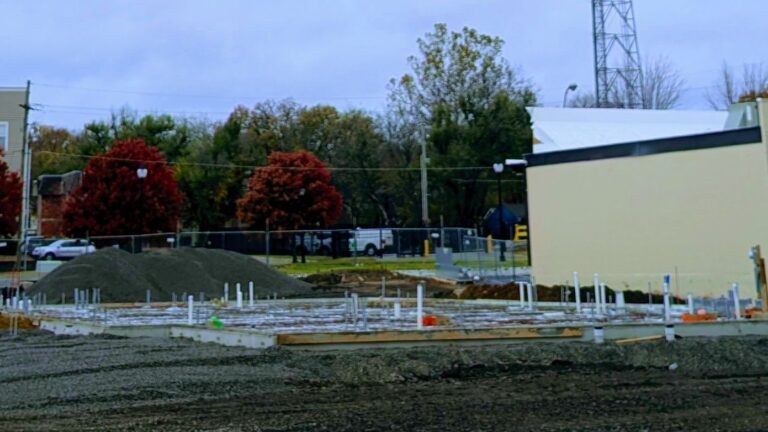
[{"x": 52, "y": 193}]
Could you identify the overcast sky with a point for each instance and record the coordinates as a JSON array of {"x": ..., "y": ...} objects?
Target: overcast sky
[{"x": 87, "y": 57}]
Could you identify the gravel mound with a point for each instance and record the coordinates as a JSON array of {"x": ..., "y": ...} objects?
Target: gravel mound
[{"x": 125, "y": 277}]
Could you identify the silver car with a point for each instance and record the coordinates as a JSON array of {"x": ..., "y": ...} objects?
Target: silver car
[{"x": 64, "y": 249}]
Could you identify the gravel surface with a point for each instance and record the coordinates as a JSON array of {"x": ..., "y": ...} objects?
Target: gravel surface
[
  {"x": 52, "y": 383},
  {"x": 125, "y": 277}
]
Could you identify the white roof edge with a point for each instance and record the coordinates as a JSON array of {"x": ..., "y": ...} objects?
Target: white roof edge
[
  {"x": 569, "y": 128},
  {"x": 13, "y": 89}
]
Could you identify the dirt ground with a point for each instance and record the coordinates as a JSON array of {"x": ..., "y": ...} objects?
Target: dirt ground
[
  {"x": 368, "y": 283},
  {"x": 54, "y": 383}
]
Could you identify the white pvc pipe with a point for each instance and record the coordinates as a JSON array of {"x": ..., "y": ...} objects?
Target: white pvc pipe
[
  {"x": 420, "y": 305},
  {"x": 603, "y": 301},
  {"x": 577, "y": 288},
  {"x": 397, "y": 309},
  {"x": 530, "y": 295},
  {"x": 239, "y": 298},
  {"x": 521, "y": 287},
  {"x": 190, "y": 307},
  {"x": 599, "y": 335},
  {"x": 690, "y": 304},
  {"x": 250, "y": 293},
  {"x": 596, "y": 283},
  {"x": 354, "y": 307},
  {"x": 667, "y": 311},
  {"x": 226, "y": 292},
  {"x": 669, "y": 333},
  {"x": 736, "y": 305},
  {"x": 620, "y": 305},
  {"x": 237, "y": 289}
]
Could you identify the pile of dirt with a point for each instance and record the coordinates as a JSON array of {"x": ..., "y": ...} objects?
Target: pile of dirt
[
  {"x": 22, "y": 322},
  {"x": 125, "y": 277},
  {"x": 368, "y": 282},
  {"x": 554, "y": 293}
]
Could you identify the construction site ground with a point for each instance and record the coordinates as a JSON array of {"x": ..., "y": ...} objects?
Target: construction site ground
[{"x": 53, "y": 383}]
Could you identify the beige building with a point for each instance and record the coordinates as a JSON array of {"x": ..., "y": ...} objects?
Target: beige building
[
  {"x": 12, "y": 125},
  {"x": 690, "y": 206}
]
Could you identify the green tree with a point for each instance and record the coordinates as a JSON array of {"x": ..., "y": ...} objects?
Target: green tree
[
  {"x": 54, "y": 151},
  {"x": 171, "y": 136},
  {"x": 213, "y": 174},
  {"x": 468, "y": 104}
]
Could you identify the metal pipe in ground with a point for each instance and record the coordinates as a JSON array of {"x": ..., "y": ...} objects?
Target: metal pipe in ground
[
  {"x": 736, "y": 305},
  {"x": 190, "y": 309},
  {"x": 620, "y": 305},
  {"x": 529, "y": 287},
  {"x": 354, "y": 308},
  {"x": 667, "y": 310},
  {"x": 250, "y": 293},
  {"x": 669, "y": 332},
  {"x": 420, "y": 305},
  {"x": 596, "y": 283},
  {"x": 397, "y": 305},
  {"x": 599, "y": 335},
  {"x": 577, "y": 288},
  {"x": 603, "y": 300}
]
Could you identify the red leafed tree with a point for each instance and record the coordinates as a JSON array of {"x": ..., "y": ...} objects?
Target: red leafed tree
[
  {"x": 293, "y": 191},
  {"x": 10, "y": 199},
  {"x": 114, "y": 200}
]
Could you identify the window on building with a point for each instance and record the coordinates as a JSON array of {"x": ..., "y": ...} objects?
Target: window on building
[{"x": 4, "y": 136}]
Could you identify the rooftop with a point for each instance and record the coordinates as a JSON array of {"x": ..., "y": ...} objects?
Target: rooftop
[{"x": 573, "y": 128}]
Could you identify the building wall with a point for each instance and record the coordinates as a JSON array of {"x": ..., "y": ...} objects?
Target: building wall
[
  {"x": 11, "y": 112},
  {"x": 692, "y": 214},
  {"x": 52, "y": 194}
]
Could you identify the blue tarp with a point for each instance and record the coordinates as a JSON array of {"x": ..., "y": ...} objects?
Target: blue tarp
[{"x": 492, "y": 222}]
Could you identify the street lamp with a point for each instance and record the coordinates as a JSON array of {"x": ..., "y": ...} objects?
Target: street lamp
[
  {"x": 141, "y": 174},
  {"x": 571, "y": 87},
  {"x": 498, "y": 168},
  {"x": 522, "y": 163}
]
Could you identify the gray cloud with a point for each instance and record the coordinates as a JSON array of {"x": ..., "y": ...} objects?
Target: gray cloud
[{"x": 338, "y": 52}]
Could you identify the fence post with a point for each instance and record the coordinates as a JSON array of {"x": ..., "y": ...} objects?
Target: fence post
[{"x": 267, "y": 241}]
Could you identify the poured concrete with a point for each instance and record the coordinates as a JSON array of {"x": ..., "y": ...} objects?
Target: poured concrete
[{"x": 330, "y": 324}]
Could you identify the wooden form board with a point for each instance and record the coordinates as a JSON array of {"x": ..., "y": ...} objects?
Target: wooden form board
[{"x": 429, "y": 335}]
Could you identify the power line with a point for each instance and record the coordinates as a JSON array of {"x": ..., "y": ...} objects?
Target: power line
[
  {"x": 74, "y": 109},
  {"x": 261, "y": 167},
  {"x": 198, "y": 96}
]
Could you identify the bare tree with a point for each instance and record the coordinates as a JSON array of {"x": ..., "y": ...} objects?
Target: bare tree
[
  {"x": 729, "y": 88},
  {"x": 583, "y": 100},
  {"x": 662, "y": 87},
  {"x": 662, "y": 84}
]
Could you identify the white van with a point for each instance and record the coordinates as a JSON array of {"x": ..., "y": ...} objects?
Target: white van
[{"x": 370, "y": 241}]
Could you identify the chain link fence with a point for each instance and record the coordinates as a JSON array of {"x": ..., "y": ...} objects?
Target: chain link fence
[{"x": 459, "y": 253}]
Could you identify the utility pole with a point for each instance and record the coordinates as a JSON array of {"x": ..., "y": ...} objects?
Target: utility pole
[
  {"x": 423, "y": 164},
  {"x": 26, "y": 175}
]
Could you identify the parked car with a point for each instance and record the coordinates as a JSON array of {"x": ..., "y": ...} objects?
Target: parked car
[
  {"x": 64, "y": 249},
  {"x": 317, "y": 243},
  {"x": 32, "y": 242}
]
